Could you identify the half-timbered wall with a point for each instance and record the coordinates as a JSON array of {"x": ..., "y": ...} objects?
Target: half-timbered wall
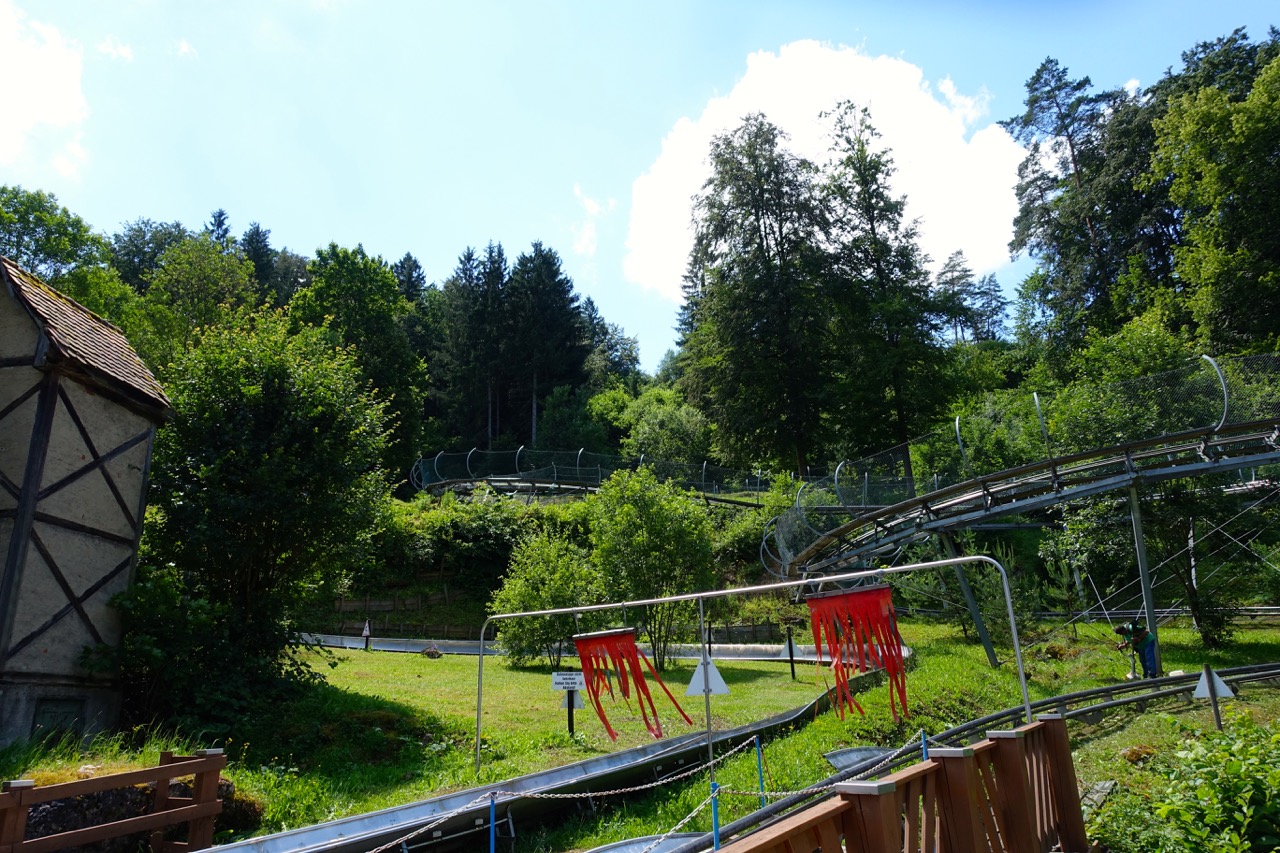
[{"x": 73, "y": 470}]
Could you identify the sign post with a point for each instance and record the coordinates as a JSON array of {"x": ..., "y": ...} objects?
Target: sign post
[{"x": 572, "y": 683}]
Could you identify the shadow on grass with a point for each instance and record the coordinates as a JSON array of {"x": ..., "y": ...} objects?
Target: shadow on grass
[{"x": 333, "y": 733}]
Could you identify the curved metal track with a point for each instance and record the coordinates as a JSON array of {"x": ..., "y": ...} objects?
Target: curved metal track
[{"x": 1023, "y": 489}]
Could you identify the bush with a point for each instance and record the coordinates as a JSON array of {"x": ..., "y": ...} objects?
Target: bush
[{"x": 1219, "y": 796}]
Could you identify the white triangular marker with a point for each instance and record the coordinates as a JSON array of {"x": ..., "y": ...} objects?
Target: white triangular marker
[
  {"x": 577, "y": 699},
  {"x": 1219, "y": 686},
  {"x": 714, "y": 681}
]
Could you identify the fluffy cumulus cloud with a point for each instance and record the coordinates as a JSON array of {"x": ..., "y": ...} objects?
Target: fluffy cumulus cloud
[
  {"x": 958, "y": 176},
  {"x": 45, "y": 105}
]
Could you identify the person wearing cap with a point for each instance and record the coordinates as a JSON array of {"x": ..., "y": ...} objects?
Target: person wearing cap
[{"x": 1142, "y": 641}]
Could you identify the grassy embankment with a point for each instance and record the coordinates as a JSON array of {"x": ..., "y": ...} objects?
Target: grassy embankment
[{"x": 392, "y": 728}]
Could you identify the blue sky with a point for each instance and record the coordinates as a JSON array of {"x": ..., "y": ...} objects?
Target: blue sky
[{"x": 430, "y": 127}]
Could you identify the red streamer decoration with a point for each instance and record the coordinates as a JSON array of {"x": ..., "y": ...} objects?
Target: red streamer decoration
[
  {"x": 615, "y": 652},
  {"x": 859, "y": 626}
]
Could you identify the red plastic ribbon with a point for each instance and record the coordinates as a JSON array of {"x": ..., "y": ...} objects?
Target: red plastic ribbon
[
  {"x": 860, "y": 626},
  {"x": 610, "y": 653}
]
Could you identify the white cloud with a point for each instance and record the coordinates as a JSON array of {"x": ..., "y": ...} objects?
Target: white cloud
[
  {"x": 44, "y": 102},
  {"x": 584, "y": 235},
  {"x": 116, "y": 49},
  {"x": 185, "y": 48},
  {"x": 958, "y": 181}
]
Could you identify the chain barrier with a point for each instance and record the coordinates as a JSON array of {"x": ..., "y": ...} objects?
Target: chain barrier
[
  {"x": 420, "y": 830},
  {"x": 679, "y": 826},
  {"x": 905, "y": 749},
  {"x": 693, "y": 771},
  {"x": 539, "y": 796}
]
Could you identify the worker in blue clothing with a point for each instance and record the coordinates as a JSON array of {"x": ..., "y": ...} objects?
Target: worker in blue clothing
[{"x": 1135, "y": 635}]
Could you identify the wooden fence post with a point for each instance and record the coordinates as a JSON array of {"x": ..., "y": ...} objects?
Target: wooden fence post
[
  {"x": 873, "y": 820},
  {"x": 204, "y": 790},
  {"x": 1013, "y": 790},
  {"x": 160, "y": 803},
  {"x": 961, "y": 798},
  {"x": 1063, "y": 785},
  {"x": 13, "y": 820}
]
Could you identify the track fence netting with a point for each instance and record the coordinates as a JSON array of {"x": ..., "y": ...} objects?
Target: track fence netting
[{"x": 581, "y": 468}]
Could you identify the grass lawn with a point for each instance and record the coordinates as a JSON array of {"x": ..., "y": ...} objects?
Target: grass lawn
[{"x": 391, "y": 728}]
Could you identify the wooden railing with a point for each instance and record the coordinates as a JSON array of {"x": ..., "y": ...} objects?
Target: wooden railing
[
  {"x": 197, "y": 811},
  {"x": 1011, "y": 793}
]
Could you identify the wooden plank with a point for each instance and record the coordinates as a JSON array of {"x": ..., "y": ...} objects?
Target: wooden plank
[
  {"x": 790, "y": 827},
  {"x": 47, "y": 793},
  {"x": 1064, "y": 785},
  {"x": 128, "y": 826}
]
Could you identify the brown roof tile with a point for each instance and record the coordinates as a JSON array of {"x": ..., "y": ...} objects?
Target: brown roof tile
[{"x": 84, "y": 343}]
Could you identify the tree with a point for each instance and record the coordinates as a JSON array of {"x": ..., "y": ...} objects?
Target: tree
[
  {"x": 290, "y": 275},
  {"x": 1220, "y": 158},
  {"x": 664, "y": 428},
  {"x": 614, "y": 356},
  {"x": 546, "y": 573},
  {"x": 887, "y": 317},
  {"x": 137, "y": 248},
  {"x": 543, "y": 344},
  {"x": 256, "y": 245},
  {"x": 219, "y": 228},
  {"x": 42, "y": 236},
  {"x": 197, "y": 285},
  {"x": 755, "y": 320},
  {"x": 357, "y": 298},
  {"x": 650, "y": 540},
  {"x": 465, "y": 367},
  {"x": 409, "y": 276},
  {"x": 266, "y": 491}
]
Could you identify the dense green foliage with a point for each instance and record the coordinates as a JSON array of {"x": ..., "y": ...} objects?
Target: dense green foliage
[
  {"x": 268, "y": 490},
  {"x": 1216, "y": 793}
]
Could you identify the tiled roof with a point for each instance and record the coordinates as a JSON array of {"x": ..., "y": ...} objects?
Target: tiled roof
[{"x": 84, "y": 343}]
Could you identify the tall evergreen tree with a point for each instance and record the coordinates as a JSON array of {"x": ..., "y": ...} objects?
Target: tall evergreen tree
[
  {"x": 754, "y": 319},
  {"x": 256, "y": 245},
  {"x": 409, "y": 276},
  {"x": 545, "y": 339},
  {"x": 888, "y": 316}
]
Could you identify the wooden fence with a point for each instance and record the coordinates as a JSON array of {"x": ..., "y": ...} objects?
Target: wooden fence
[
  {"x": 1011, "y": 793},
  {"x": 196, "y": 811}
]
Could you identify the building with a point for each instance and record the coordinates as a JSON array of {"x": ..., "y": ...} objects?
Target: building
[{"x": 78, "y": 413}]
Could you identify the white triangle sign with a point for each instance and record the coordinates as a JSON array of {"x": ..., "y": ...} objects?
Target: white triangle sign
[
  {"x": 715, "y": 682},
  {"x": 1219, "y": 686},
  {"x": 577, "y": 699}
]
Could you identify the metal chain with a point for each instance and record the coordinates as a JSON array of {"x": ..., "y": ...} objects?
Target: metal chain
[
  {"x": 673, "y": 830},
  {"x": 534, "y": 795},
  {"x": 693, "y": 771},
  {"x": 889, "y": 759},
  {"x": 399, "y": 841}
]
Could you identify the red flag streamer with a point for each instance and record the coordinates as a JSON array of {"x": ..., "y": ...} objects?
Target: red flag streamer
[
  {"x": 859, "y": 626},
  {"x": 615, "y": 652}
]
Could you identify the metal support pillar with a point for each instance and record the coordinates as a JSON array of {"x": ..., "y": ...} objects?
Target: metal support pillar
[
  {"x": 949, "y": 545},
  {"x": 1144, "y": 574}
]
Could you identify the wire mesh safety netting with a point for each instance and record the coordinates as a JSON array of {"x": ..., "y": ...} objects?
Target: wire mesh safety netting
[{"x": 579, "y": 468}]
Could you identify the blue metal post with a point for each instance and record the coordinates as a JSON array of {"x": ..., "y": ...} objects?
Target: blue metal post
[
  {"x": 493, "y": 822},
  {"x": 924, "y": 746},
  {"x": 760, "y": 770},
  {"x": 715, "y": 815}
]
